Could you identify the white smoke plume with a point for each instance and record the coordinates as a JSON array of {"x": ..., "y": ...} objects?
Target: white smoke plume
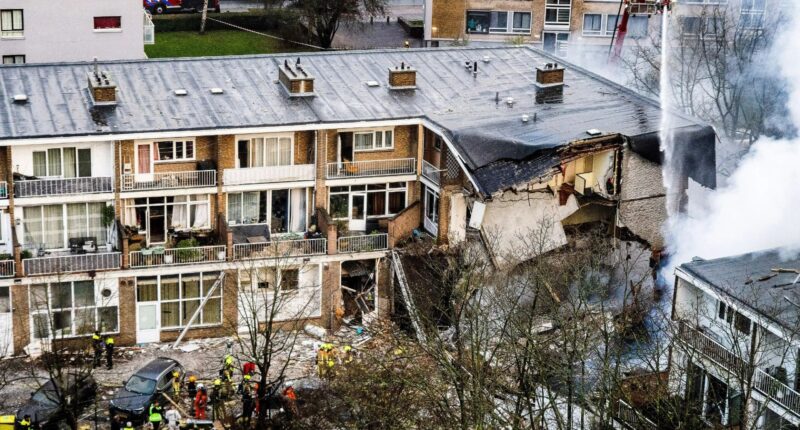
[{"x": 759, "y": 206}]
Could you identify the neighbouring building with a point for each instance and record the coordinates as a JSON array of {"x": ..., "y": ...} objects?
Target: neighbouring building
[
  {"x": 43, "y": 31},
  {"x": 736, "y": 356},
  {"x": 148, "y": 207}
]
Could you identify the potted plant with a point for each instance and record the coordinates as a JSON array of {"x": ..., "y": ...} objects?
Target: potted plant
[
  {"x": 185, "y": 252},
  {"x": 108, "y": 215}
]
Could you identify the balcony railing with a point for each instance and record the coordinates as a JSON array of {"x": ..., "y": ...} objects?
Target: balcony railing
[
  {"x": 62, "y": 186},
  {"x": 280, "y": 249},
  {"x": 149, "y": 29},
  {"x": 269, "y": 174},
  {"x": 766, "y": 384},
  {"x": 363, "y": 243},
  {"x": 3, "y": 190},
  {"x": 157, "y": 181},
  {"x": 7, "y": 268},
  {"x": 633, "y": 419},
  {"x": 357, "y": 169},
  {"x": 430, "y": 172},
  {"x": 71, "y": 263},
  {"x": 177, "y": 256}
]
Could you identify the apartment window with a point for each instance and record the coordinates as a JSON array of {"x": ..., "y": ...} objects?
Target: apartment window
[
  {"x": 752, "y": 14},
  {"x": 180, "y": 297},
  {"x": 637, "y": 27},
  {"x": 107, "y": 23},
  {"x": 592, "y": 24},
  {"x": 437, "y": 143},
  {"x": 705, "y": 26},
  {"x": 478, "y": 21},
  {"x": 557, "y": 12},
  {"x": 373, "y": 140},
  {"x": 731, "y": 317},
  {"x": 289, "y": 279},
  {"x": 174, "y": 150},
  {"x": 283, "y": 210},
  {"x": 612, "y": 22},
  {"x": 156, "y": 216},
  {"x": 382, "y": 199},
  {"x": 51, "y": 226},
  {"x": 266, "y": 278},
  {"x": 13, "y": 59},
  {"x": 65, "y": 309},
  {"x": 521, "y": 22},
  {"x": 11, "y": 23},
  {"x": 264, "y": 151},
  {"x": 63, "y": 163}
]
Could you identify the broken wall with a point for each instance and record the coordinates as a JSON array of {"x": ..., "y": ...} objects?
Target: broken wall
[{"x": 642, "y": 206}]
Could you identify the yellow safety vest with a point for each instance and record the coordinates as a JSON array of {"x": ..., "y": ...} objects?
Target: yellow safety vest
[
  {"x": 25, "y": 423},
  {"x": 95, "y": 337},
  {"x": 110, "y": 341}
]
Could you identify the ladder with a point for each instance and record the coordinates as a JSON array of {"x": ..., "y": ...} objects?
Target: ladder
[{"x": 400, "y": 274}]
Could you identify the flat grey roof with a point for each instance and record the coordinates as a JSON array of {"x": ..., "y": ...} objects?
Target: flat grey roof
[
  {"x": 484, "y": 132},
  {"x": 749, "y": 279}
]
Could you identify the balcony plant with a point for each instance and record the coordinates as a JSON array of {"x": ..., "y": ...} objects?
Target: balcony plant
[{"x": 185, "y": 251}]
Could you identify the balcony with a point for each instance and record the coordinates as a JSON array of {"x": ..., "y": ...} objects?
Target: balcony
[
  {"x": 159, "y": 256},
  {"x": 7, "y": 268},
  {"x": 149, "y": 29},
  {"x": 431, "y": 173},
  {"x": 279, "y": 249},
  {"x": 169, "y": 180},
  {"x": 62, "y": 186},
  {"x": 770, "y": 387},
  {"x": 632, "y": 418},
  {"x": 363, "y": 243},
  {"x": 62, "y": 264},
  {"x": 268, "y": 174},
  {"x": 360, "y": 169}
]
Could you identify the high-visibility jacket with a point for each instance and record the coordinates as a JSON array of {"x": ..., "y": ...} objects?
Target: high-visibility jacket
[
  {"x": 109, "y": 340},
  {"x": 155, "y": 414},
  {"x": 24, "y": 424},
  {"x": 127, "y": 428}
]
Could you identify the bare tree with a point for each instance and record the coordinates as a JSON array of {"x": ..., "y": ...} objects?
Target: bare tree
[{"x": 324, "y": 17}]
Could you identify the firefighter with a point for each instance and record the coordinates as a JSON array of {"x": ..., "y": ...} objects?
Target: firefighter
[
  {"x": 25, "y": 422},
  {"x": 229, "y": 362},
  {"x": 191, "y": 387},
  {"x": 290, "y": 401},
  {"x": 128, "y": 426},
  {"x": 200, "y": 403},
  {"x": 154, "y": 415},
  {"x": 97, "y": 346},
  {"x": 322, "y": 359},
  {"x": 347, "y": 354},
  {"x": 247, "y": 399},
  {"x": 109, "y": 352},
  {"x": 176, "y": 384},
  {"x": 216, "y": 399}
]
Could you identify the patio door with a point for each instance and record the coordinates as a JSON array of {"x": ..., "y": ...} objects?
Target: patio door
[
  {"x": 147, "y": 322},
  {"x": 358, "y": 212},
  {"x": 156, "y": 225},
  {"x": 431, "y": 211},
  {"x": 144, "y": 163},
  {"x": 6, "y": 333}
]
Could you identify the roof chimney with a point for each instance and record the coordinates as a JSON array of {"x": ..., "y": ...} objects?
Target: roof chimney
[
  {"x": 296, "y": 79},
  {"x": 549, "y": 75},
  {"x": 102, "y": 87},
  {"x": 403, "y": 77}
]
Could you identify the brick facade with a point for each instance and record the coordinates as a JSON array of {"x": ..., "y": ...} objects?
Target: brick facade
[
  {"x": 448, "y": 19},
  {"x": 331, "y": 294},
  {"x": 385, "y": 291},
  {"x": 20, "y": 317},
  {"x": 402, "y": 224},
  {"x": 127, "y": 312},
  {"x": 402, "y": 78}
]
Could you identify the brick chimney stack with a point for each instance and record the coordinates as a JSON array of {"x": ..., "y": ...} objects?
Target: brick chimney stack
[
  {"x": 296, "y": 79},
  {"x": 403, "y": 77}
]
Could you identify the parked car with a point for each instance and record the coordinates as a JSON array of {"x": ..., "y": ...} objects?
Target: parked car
[
  {"x": 140, "y": 390},
  {"x": 45, "y": 408},
  {"x": 157, "y": 7}
]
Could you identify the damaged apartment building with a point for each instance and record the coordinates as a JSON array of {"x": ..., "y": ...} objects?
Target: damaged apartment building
[{"x": 150, "y": 199}]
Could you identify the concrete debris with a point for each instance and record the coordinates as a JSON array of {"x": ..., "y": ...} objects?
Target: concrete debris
[
  {"x": 315, "y": 331},
  {"x": 189, "y": 347}
]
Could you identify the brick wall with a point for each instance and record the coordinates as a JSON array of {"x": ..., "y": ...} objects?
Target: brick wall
[
  {"x": 226, "y": 152},
  {"x": 405, "y": 146},
  {"x": 402, "y": 224},
  {"x": 449, "y": 18},
  {"x": 320, "y": 190},
  {"x": 331, "y": 294},
  {"x": 402, "y": 78},
  {"x": 127, "y": 312},
  {"x": 20, "y": 317},
  {"x": 303, "y": 147},
  {"x": 444, "y": 212},
  {"x": 385, "y": 289},
  {"x": 327, "y": 139}
]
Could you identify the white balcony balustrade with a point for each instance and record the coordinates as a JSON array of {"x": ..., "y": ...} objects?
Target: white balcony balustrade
[
  {"x": 279, "y": 249},
  {"x": 7, "y": 268},
  {"x": 357, "y": 169},
  {"x": 363, "y": 243},
  {"x": 268, "y": 174},
  {"x": 430, "y": 172},
  {"x": 63, "y": 264},
  {"x": 169, "y": 180},
  {"x": 155, "y": 257},
  {"x": 62, "y": 186}
]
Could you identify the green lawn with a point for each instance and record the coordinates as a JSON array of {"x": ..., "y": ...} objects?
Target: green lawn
[{"x": 213, "y": 43}]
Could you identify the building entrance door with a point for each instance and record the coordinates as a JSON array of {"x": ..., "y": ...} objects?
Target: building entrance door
[{"x": 358, "y": 212}]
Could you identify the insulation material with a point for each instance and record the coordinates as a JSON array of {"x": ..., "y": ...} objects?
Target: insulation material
[
  {"x": 458, "y": 219},
  {"x": 518, "y": 227}
]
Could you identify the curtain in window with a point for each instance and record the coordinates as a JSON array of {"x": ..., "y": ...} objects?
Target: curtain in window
[
  {"x": 96, "y": 228},
  {"x": 397, "y": 201},
  {"x": 235, "y": 207},
  {"x": 70, "y": 163},
  {"x": 250, "y": 207},
  {"x": 170, "y": 288},
  {"x": 212, "y": 311},
  {"x": 39, "y": 163},
  {"x": 285, "y": 152},
  {"x": 76, "y": 220},
  {"x": 272, "y": 151},
  {"x": 363, "y": 141},
  {"x": 53, "y": 226},
  {"x": 144, "y": 159},
  {"x": 146, "y": 289},
  {"x": 85, "y": 163},
  {"x": 298, "y": 215},
  {"x": 199, "y": 215},
  {"x": 54, "y": 162},
  {"x": 257, "y": 152},
  {"x": 178, "y": 213},
  {"x": 33, "y": 225},
  {"x": 170, "y": 314},
  {"x": 376, "y": 204},
  {"x": 130, "y": 214}
]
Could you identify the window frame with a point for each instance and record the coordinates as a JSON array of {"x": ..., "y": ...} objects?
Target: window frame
[
  {"x": 383, "y": 133},
  {"x": 390, "y": 187},
  {"x": 62, "y": 162},
  {"x": 190, "y": 204},
  {"x": 12, "y": 32},
  {"x": 184, "y": 145},
  {"x": 48, "y": 311},
  {"x": 593, "y": 33},
  {"x": 558, "y": 6},
  {"x": 65, "y": 228},
  {"x": 218, "y": 294},
  {"x": 116, "y": 29},
  {"x": 261, "y": 139},
  {"x": 13, "y": 58},
  {"x": 267, "y": 211}
]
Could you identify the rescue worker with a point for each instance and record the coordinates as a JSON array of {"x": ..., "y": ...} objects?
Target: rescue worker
[
  {"x": 191, "y": 387},
  {"x": 322, "y": 360},
  {"x": 97, "y": 346},
  {"x": 173, "y": 418},
  {"x": 128, "y": 426},
  {"x": 154, "y": 415},
  {"x": 290, "y": 402},
  {"x": 347, "y": 356},
  {"x": 229, "y": 362},
  {"x": 249, "y": 368},
  {"x": 200, "y": 403},
  {"x": 176, "y": 384},
  {"x": 216, "y": 399},
  {"x": 25, "y": 422},
  {"x": 116, "y": 422},
  {"x": 247, "y": 399},
  {"x": 109, "y": 352}
]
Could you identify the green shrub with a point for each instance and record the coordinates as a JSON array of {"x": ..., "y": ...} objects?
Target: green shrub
[
  {"x": 184, "y": 255},
  {"x": 263, "y": 20}
]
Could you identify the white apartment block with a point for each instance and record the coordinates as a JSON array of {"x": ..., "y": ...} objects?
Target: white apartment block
[{"x": 46, "y": 31}]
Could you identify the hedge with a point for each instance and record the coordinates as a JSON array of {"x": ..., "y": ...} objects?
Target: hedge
[{"x": 263, "y": 20}]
